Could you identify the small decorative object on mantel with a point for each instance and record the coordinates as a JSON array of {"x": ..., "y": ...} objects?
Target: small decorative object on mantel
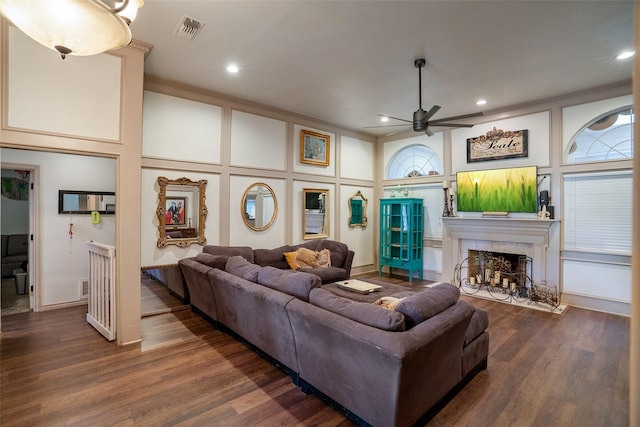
[
  {"x": 544, "y": 214},
  {"x": 446, "y": 211},
  {"x": 314, "y": 148},
  {"x": 498, "y": 144}
]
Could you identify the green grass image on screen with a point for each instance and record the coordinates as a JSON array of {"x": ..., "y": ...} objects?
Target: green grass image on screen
[{"x": 498, "y": 190}]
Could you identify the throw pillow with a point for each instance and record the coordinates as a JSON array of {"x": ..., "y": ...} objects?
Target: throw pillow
[
  {"x": 388, "y": 303},
  {"x": 324, "y": 258},
  {"x": 306, "y": 258},
  {"x": 291, "y": 260},
  {"x": 428, "y": 303},
  {"x": 238, "y": 266}
]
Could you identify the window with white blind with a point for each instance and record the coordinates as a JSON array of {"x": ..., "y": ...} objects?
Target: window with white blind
[{"x": 597, "y": 213}]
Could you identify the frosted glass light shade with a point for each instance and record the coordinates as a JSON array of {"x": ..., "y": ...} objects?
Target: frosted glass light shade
[{"x": 71, "y": 27}]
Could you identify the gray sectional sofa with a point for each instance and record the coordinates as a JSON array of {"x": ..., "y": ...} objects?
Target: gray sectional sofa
[{"x": 381, "y": 367}]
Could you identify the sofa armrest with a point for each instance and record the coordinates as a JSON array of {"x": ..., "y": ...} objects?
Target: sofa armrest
[{"x": 347, "y": 263}]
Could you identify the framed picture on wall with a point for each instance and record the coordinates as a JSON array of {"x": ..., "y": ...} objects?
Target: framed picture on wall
[
  {"x": 175, "y": 211},
  {"x": 498, "y": 144},
  {"x": 314, "y": 148}
]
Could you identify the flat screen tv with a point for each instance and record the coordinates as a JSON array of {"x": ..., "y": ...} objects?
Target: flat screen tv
[{"x": 498, "y": 190}]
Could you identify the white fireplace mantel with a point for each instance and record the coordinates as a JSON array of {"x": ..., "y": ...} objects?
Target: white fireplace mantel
[{"x": 539, "y": 237}]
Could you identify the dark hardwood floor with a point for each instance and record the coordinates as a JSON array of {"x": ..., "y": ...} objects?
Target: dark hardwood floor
[{"x": 544, "y": 370}]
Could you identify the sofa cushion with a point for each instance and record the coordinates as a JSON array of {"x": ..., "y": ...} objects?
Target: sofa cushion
[
  {"x": 361, "y": 312},
  {"x": 338, "y": 251},
  {"x": 479, "y": 322},
  {"x": 215, "y": 261},
  {"x": 290, "y": 257},
  {"x": 273, "y": 257},
  {"x": 423, "y": 305},
  {"x": 238, "y": 266},
  {"x": 290, "y": 282},
  {"x": 327, "y": 274},
  {"x": 17, "y": 244},
  {"x": 245, "y": 252}
]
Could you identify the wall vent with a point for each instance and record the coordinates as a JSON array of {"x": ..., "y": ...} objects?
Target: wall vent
[
  {"x": 84, "y": 288},
  {"x": 188, "y": 28}
]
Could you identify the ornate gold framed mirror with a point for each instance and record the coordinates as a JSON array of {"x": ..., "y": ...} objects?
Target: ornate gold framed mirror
[
  {"x": 358, "y": 210},
  {"x": 315, "y": 213},
  {"x": 181, "y": 212},
  {"x": 259, "y": 206}
]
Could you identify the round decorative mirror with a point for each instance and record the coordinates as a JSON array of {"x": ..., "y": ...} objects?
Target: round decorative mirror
[{"x": 259, "y": 206}]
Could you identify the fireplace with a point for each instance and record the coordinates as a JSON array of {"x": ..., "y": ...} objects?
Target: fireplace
[
  {"x": 534, "y": 240},
  {"x": 503, "y": 272}
]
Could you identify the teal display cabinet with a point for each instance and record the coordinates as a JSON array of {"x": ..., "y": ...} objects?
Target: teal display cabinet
[{"x": 401, "y": 230}]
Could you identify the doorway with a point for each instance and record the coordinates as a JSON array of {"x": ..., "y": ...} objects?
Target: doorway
[{"x": 17, "y": 231}]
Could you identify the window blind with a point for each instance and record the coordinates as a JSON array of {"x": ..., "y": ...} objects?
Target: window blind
[{"x": 597, "y": 213}]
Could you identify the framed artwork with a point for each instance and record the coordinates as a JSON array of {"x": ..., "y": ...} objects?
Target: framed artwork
[
  {"x": 314, "y": 148},
  {"x": 175, "y": 211},
  {"x": 498, "y": 144}
]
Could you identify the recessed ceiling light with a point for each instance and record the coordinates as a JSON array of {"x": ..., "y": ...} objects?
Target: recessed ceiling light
[
  {"x": 481, "y": 102},
  {"x": 384, "y": 119},
  {"x": 624, "y": 55},
  {"x": 232, "y": 68}
]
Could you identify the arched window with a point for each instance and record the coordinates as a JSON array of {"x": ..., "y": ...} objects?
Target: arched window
[
  {"x": 414, "y": 160},
  {"x": 608, "y": 137}
]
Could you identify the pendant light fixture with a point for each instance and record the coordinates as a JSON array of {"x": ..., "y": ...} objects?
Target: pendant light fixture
[{"x": 74, "y": 27}]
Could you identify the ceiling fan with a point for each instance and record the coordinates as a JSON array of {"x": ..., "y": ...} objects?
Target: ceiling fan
[{"x": 421, "y": 117}]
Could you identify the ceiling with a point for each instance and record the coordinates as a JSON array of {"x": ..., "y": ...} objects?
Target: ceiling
[{"x": 344, "y": 62}]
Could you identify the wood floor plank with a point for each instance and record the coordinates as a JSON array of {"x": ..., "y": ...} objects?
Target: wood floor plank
[{"x": 544, "y": 369}]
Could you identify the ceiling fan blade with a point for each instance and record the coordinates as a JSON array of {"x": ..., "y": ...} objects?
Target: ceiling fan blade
[
  {"x": 452, "y": 125},
  {"x": 395, "y": 118},
  {"x": 428, "y": 132},
  {"x": 395, "y": 132},
  {"x": 431, "y": 112},
  {"x": 464, "y": 116},
  {"x": 383, "y": 126}
]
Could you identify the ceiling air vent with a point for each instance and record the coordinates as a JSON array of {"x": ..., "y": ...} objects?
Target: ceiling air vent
[{"x": 188, "y": 28}]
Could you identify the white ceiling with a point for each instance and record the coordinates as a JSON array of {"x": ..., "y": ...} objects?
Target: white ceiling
[{"x": 344, "y": 62}]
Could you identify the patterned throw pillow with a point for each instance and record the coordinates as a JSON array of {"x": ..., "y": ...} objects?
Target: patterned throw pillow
[{"x": 306, "y": 258}]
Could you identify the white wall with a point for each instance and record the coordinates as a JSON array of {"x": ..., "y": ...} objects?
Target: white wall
[
  {"x": 352, "y": 148},
  {"x": 258, "y": 141},
  {"x": 180, "y": 129},
  {"x": 62, "y": 257},
  {"x": 34, "y": 97}
]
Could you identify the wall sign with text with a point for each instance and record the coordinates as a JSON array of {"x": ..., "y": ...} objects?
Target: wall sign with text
[{"x": 498, "y": 144}]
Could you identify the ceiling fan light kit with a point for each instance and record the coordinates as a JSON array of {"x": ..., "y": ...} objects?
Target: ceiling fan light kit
[
  {"x": 74, "y": 27},
  {"x": 421, "y": 117}
]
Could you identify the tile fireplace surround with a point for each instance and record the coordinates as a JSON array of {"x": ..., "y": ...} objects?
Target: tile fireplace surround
[{"x": 536, "y": 238}]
